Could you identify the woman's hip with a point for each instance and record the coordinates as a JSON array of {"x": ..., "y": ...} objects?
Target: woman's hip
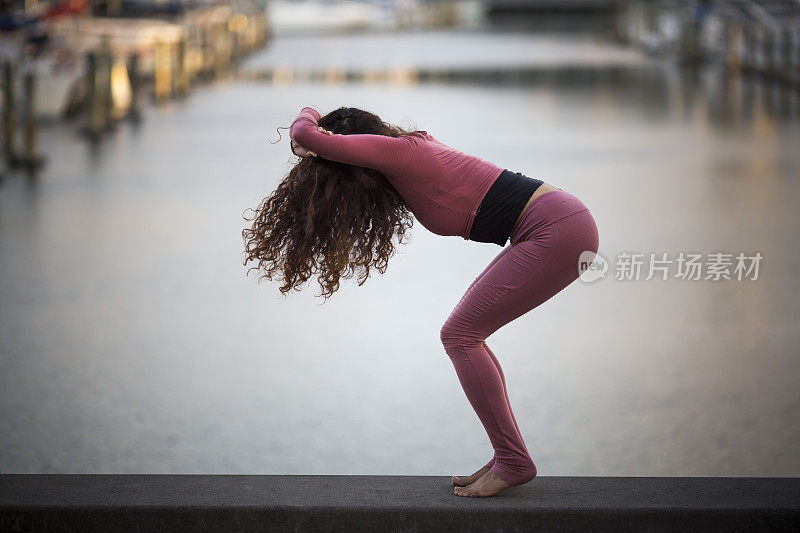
[
  {"x": 548, "y": 209},
  {"x": 525, "y": 275}
]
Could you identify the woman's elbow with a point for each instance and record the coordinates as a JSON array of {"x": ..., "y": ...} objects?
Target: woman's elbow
[{"x": 300, "y": 135}]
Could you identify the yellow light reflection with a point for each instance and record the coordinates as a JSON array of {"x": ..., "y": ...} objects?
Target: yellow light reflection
[
  {"x": 237, "y": 23},
  {"x": 120, "y": 89},
  {"x": 282, "y": 75},
  {"x": 335, "y": 75}
]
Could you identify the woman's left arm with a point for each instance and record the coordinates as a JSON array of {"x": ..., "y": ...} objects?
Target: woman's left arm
[{"x": 379, "y": 152}]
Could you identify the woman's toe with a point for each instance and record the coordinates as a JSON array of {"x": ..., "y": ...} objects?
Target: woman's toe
[{"x": 461, "y": 482}]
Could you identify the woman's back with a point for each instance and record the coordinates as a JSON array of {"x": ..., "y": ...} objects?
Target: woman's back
[{"x": 442, "y": 186}]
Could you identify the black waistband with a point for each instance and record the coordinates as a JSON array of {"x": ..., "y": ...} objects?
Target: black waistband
[{"x": 501, "y": 207}]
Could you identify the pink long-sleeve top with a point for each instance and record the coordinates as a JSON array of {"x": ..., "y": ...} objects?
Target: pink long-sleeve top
[{"x": 442, "y": 186}]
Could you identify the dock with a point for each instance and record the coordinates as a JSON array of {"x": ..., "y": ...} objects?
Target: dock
[{"x": 158, "y": 502}]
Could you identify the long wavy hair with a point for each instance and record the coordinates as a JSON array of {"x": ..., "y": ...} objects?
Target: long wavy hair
[{"x": 329, "y": 218}]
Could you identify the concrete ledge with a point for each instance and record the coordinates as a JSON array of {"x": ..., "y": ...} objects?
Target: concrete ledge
[{"x": 133, "y": 502}]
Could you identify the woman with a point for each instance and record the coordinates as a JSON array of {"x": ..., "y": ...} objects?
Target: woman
[{"x": 352, "y": 191}]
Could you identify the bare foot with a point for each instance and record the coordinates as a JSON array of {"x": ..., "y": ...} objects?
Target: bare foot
[
  {"x": 488, "y": 485},
  {"x": 464, "y": 481}
]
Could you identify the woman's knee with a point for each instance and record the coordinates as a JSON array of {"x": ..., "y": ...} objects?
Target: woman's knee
[
  {"x": 448, "y": 334},
  {"x": 455, "y": 335}
]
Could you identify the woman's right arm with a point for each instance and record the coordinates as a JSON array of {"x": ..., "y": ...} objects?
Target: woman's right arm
[{"x": 379, "y": 152}]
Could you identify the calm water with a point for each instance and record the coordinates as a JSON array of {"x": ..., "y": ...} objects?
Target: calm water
[{"x": 131, "y": 340}]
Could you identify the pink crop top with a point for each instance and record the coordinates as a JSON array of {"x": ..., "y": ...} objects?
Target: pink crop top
[{"x": 442, "y": 186}]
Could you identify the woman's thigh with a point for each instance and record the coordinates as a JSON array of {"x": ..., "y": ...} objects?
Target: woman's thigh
[
  {"x": 485, "y": 270},
  {"x": 525, "y": 275}
]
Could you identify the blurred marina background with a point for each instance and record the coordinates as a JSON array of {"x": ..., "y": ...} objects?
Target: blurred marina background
[{"x": 135, "y": 134}]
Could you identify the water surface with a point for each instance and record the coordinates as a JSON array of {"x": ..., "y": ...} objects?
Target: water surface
[{"x": 131, "y": 340}]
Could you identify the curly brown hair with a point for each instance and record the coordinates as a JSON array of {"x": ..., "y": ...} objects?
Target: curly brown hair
[{"x": 329, "y": 217}]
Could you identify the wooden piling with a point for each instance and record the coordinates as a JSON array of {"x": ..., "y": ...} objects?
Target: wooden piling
[
  {"x": 31, "y": 157},
  {"x": 92, "y": 102},
  {"x": 794, "y": 75},
  {"x": 105, "y": 82},
  {"x": 180, "y": 75},
  {"x": 733, "y": 56},
  {"x": 748, "y": 55},
  {"x": 768, "y": 52},
  {"x": 222, "y": 49},
  {"x": 690, "y": 46},
  {"x": 9, "y": 119},
  {"x": 207, "y": 52},
  {"x": 98, "y": 84},
  {"x": 785, "y": 56},
  {"x": 134, "y": 77}
]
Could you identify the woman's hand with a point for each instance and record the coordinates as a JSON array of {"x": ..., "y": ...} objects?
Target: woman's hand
[{"x": 302, "y": 152}]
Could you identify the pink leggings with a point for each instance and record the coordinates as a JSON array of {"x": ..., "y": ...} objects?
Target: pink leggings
[{"x": 541, "y": 259}]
